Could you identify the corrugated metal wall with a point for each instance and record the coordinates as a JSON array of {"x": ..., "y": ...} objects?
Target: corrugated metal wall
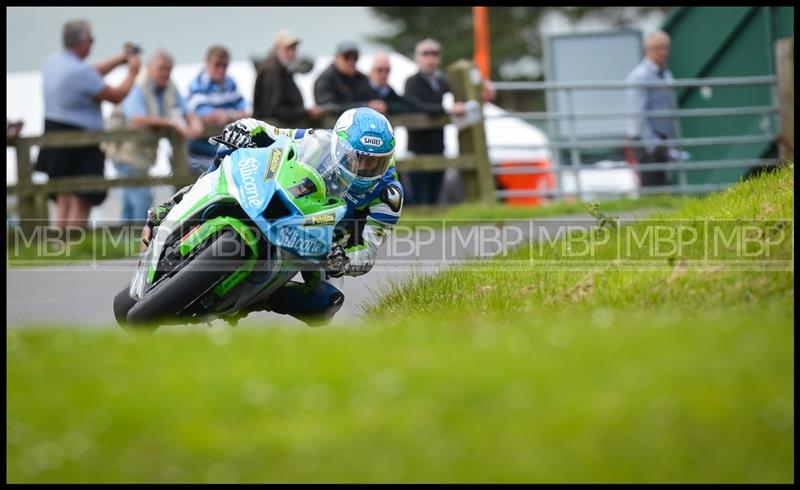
[{"x": 726, "y": 42}]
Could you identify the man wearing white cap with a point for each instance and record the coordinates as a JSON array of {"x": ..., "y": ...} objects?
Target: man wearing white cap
[{"x": 276, "y": 96}]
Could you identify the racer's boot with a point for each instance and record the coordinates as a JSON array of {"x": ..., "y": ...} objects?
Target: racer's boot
[
  {"x": 313, "y": 302},
  {"x": 157, "y": 213}
]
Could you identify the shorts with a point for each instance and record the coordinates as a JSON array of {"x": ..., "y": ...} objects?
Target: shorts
[{"x": 73, "y": 161}]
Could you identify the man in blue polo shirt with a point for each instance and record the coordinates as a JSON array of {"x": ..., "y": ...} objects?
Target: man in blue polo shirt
[
  {"x": 73, "y": 91},
  {"x": 214, "y": 97}
]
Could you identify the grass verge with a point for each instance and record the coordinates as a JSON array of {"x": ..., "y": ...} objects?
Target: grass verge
[{"x": 589, "y": 270}]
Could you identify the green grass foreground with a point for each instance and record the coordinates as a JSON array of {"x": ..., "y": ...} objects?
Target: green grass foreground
[
  {"x": 542, "y": 375},
  {"x": 655, "y": 396}
]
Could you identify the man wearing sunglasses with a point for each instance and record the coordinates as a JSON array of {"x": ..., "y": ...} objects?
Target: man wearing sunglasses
[
  {"x": 341, "y": 86},
  {"x": 73, "y": 92},
  {"x": 379, "y": 80}
]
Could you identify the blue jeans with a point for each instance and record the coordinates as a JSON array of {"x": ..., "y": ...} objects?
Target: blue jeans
[{"x": 135, "y": 200}]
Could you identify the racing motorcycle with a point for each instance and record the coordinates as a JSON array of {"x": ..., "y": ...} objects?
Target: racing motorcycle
[{"x": 241, "y": 232}]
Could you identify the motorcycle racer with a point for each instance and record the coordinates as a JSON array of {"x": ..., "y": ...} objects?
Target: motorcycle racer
[{"x": 374, "y": 203}]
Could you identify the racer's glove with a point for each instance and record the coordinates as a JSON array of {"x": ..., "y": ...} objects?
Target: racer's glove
[
  {"x": 337, "y": 262},
  {"x": 238, "y": 133}
]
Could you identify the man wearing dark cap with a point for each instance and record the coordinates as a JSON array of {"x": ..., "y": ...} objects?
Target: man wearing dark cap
[
  {"x": 341, "y": 86},
  {"x": 276, "y": 97}
]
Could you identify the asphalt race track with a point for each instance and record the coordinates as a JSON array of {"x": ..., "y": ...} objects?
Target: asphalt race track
[{"x": 81, "y": 295}]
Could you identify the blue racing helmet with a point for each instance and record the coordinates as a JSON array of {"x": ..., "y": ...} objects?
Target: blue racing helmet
[{"x": 372, "y": 137}]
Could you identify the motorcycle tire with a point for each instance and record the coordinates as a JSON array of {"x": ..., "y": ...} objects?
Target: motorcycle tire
[
  {"x": 122, "y": 305},
  {"x": 164, "y": 302}
]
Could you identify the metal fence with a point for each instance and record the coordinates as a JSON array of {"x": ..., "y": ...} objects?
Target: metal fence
[{"x": 574, "y": 145}]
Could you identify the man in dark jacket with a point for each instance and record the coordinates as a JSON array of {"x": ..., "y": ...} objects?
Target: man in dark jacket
[
  {"x": 425, "y": 90},
  {"x": 276, "y": 96},
  {"x": 341, "y": 86},
  {"x": 379, "y": 80}
]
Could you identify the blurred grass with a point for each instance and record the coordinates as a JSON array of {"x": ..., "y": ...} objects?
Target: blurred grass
[
  {"x": 539, "y": 375},
  {"x": 615, "y": 396}
]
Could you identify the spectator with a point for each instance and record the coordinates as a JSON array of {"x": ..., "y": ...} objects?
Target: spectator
[
  {"x": 276, "y": 96},
  {"x": 154, "y": 102},
  {"x": 73, "y": 90},
  {"x": 214, "y": 97},
  {"x": 488, "y": 91},
  {"x": 652, "y": 130},
  {"x": 379, "y": 80},
  {"x": 341, "y": 86},
  {"x": 425, "y": 90},
  {"x": 13, "y": 128}
]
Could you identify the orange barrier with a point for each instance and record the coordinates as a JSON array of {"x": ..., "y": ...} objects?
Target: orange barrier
[{"x": 533, "y": 181}]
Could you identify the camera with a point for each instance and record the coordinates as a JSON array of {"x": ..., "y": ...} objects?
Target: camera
[{"x": 133, "y": 48}]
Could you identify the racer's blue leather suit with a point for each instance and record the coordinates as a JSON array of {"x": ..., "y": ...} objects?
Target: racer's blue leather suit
[{"x": 367, "y": 224}]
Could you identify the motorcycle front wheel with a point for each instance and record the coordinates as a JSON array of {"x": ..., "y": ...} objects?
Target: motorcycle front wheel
[
  {"x": 122, "y": 305},
  {"x": 167, "y": 300}
]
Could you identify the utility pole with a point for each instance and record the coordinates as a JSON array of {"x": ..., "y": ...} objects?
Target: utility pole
[{"x": 480, "y": 27}]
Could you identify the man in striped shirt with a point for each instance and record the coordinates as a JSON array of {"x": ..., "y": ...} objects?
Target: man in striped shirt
[{"x": 214, "y": 97}]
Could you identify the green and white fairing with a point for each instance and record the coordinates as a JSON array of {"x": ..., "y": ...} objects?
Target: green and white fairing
[{"x": 284, "y": 201}]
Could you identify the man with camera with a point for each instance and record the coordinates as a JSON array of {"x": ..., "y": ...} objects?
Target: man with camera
[{"x": 73, "y": 91}]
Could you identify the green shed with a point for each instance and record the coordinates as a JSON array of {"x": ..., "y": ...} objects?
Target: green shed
[{"x": 726, "y": 42}]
